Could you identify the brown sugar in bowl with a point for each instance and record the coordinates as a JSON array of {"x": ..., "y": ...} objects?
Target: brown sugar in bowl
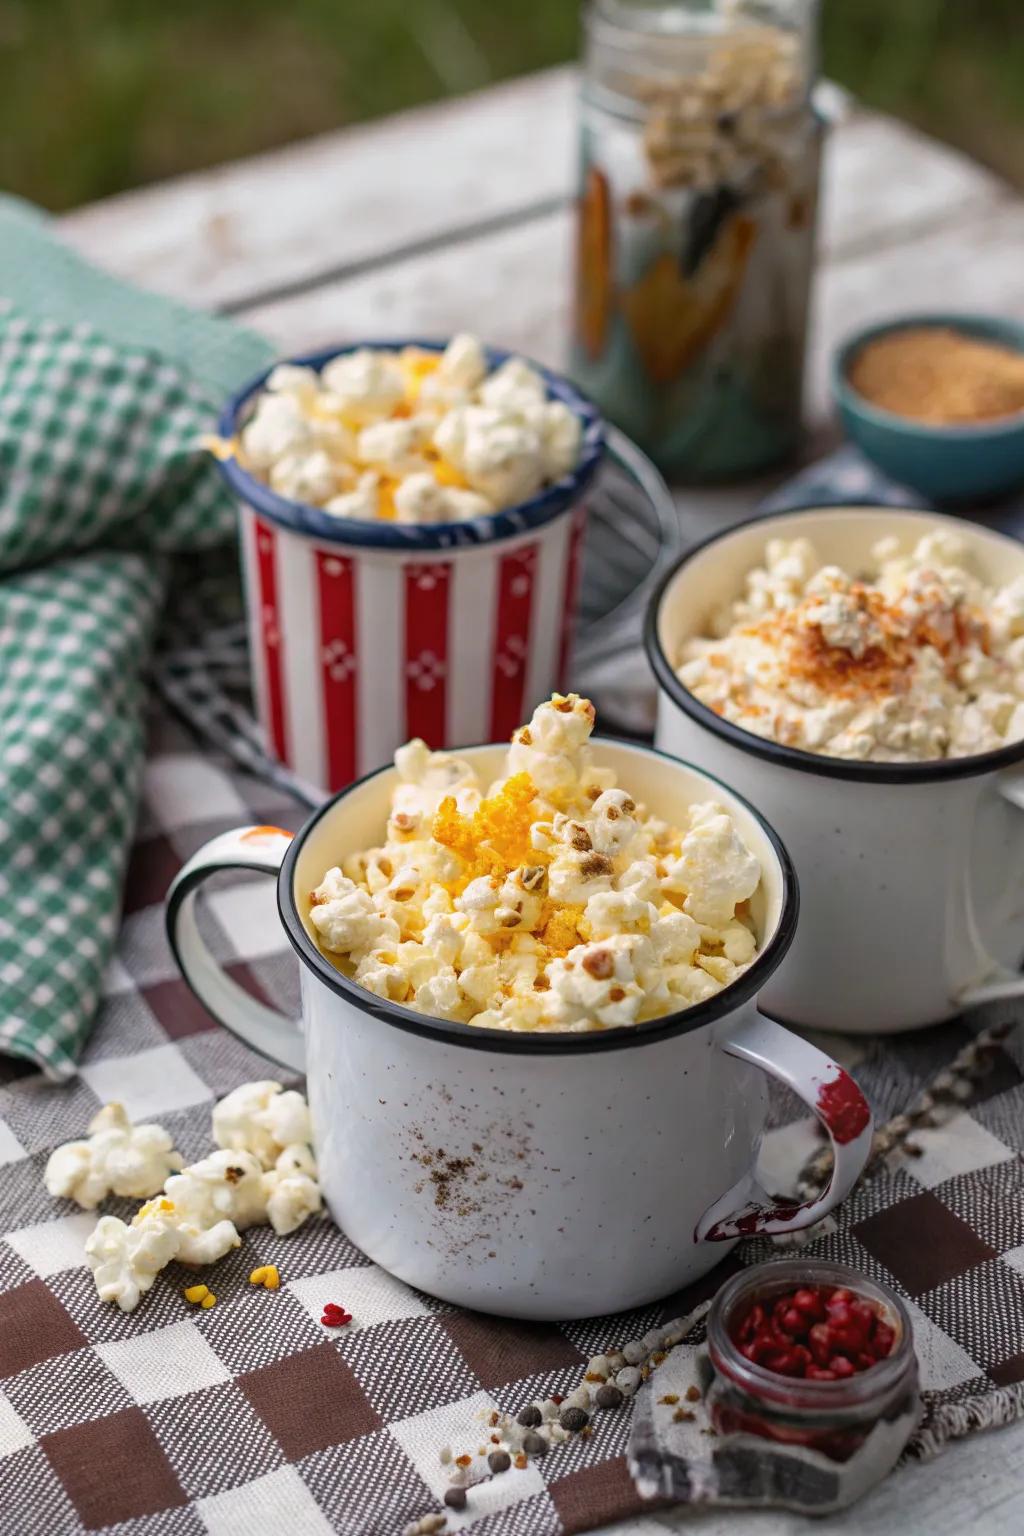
[{"x": 932, "y": 400}]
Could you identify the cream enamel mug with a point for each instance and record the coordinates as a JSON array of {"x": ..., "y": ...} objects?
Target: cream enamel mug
[
  {"x": 533, "y": 1175},
  {"x": 913, "y": 901}
]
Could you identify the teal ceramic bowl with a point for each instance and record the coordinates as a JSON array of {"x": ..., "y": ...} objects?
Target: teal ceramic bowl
[{"x": 976, "y": 462}]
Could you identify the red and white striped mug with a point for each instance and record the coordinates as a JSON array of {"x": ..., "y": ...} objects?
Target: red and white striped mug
[{"x": 364, "y": 634}]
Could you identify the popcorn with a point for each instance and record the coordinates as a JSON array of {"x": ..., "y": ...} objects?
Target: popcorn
[
  {"x": 304, "y": 476},
  {"x": 362, "y": 502},
  {"x": 560, "y": 439},
  {"x": 409, "y": 436},
  {"x": 289, "y": 379},
  {"x": 500, "y": 454},
  {"x": 551, "y": 902},
  {"x": 514, "y": 388},
  {"x": 125, "y": 1260},
  {"x": 395, "y": 445},
  {"x": 263, "y": 1171},
  {"x": 291, "y": 1190},
  {"x": 365, "y": 385},
  {"x": 715, "y": 869},
  {"x": 226, "y": 1186},
  {"x": 278, "y": 427},
  {"x": 914, "y": 662},
  {"x": 117, "y": 1159},
  {"x": 419, "y": 499},
  {"x": 345, "y": 917},
  {"x": 262, "y": 1119},
  {"x": 463, "y": 365}
]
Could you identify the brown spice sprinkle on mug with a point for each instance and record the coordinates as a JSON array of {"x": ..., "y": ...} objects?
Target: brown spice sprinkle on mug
[{"x": 939, "y": 375}]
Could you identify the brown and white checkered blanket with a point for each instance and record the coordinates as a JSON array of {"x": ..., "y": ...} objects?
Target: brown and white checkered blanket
[{"x": 252, "y": 1416}]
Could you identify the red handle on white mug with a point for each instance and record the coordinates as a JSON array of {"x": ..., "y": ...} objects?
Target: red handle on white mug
[{"x": 837, "y": 1102}]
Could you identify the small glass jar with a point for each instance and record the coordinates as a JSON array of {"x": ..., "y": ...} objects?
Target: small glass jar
[
  {"x": 695, "y": 238},
  {"x": 860, "y": 1423}
]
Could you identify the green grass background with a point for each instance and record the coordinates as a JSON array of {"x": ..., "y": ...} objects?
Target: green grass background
[{"x": 100, "y": 95}]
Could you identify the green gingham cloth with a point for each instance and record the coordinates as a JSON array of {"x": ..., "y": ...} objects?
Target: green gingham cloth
[{"x": 104, "y": 394}]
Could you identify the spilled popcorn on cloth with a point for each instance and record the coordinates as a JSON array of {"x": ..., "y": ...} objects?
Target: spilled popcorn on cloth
[
  {"x": 410, "y": 436},
  {"x": 263, "y": 1171},
  {"x": 914, "y": 659},
  {"x": 117, "y": 1158},
  {"x": 550, "y": 901}
]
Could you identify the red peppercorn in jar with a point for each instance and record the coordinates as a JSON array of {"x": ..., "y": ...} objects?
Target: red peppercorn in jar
[{"x": 817, "y": 1358}]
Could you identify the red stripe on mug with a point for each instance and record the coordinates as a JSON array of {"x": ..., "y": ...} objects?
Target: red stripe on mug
[
  {"x": 270, "y": 632},
  {"x": 426, "y": 650},
  {"x": 573, "y": 566},
  {"x": 338, "y": 664},
  {"x": 511, "y": 640}
]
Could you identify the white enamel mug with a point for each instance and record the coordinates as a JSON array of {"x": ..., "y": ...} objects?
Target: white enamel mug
[
  {"x": 913, "y": 901},
  {"x": 533, "y": 1175}
]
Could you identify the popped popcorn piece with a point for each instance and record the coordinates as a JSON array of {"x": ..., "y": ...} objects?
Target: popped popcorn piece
[
  {"x": 277, "y": 427},
  {"x": 513, "y": 388},
  {"x": 117, "y": 1159},
  {"x": 560, "y": 433},
  {"x": 347, "y": 920},
  {"x": 552, "y": 902},
  {"x": 500, "y": 455},
  {"x": 395, "y": 446},
  {"x": 304, "y": 476},
  {"x": 366, "y": 384},
  {"x": 463, "y": 364},
  {"x": 715, "y": 869},
  {"x": 290, "y": 379},
  {"x": 361, "y": 503},
  {"x": 291, "y": 1199},
  {"x": 125, "y": 1260},
  {"x": 225, "y": 1186},
  {"x": 420, "y": 499},
  {"x": 913, "y": 661},
  {"x": 264, "y": 1119},
  {"x": 266, "y": 1173},
  {"x": 409, "y": 435}
]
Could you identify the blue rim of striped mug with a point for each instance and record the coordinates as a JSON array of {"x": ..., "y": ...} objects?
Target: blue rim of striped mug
[{"x": 301, "y": 517}]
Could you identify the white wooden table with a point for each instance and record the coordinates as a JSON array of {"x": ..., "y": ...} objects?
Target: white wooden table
[{"x": 457, "y": 217}]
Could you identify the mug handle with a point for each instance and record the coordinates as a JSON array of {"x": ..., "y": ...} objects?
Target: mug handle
[
  {"x": 837, "y": 1102},
  {"x": 1006, "y": 983},
  {"x": 265, "y": 1029}
]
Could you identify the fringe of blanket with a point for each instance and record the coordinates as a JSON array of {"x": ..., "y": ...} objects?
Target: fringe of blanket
[{"x": 951, "y": 1421}]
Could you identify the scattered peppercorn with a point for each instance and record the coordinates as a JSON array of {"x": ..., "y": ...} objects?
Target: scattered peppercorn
[
  {"x": 529, "y": 1417},
  {"x": 608, "y": 1396},
  {"x": 574, "y": 1419},
  {"x": 534, "y": 1444},
  {"x": 499, "y": 1461},
  {"x": 455, "y": 1498}
]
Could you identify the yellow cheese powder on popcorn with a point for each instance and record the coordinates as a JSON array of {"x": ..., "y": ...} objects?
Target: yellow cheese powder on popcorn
[{"x": 550, "y": 900}]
